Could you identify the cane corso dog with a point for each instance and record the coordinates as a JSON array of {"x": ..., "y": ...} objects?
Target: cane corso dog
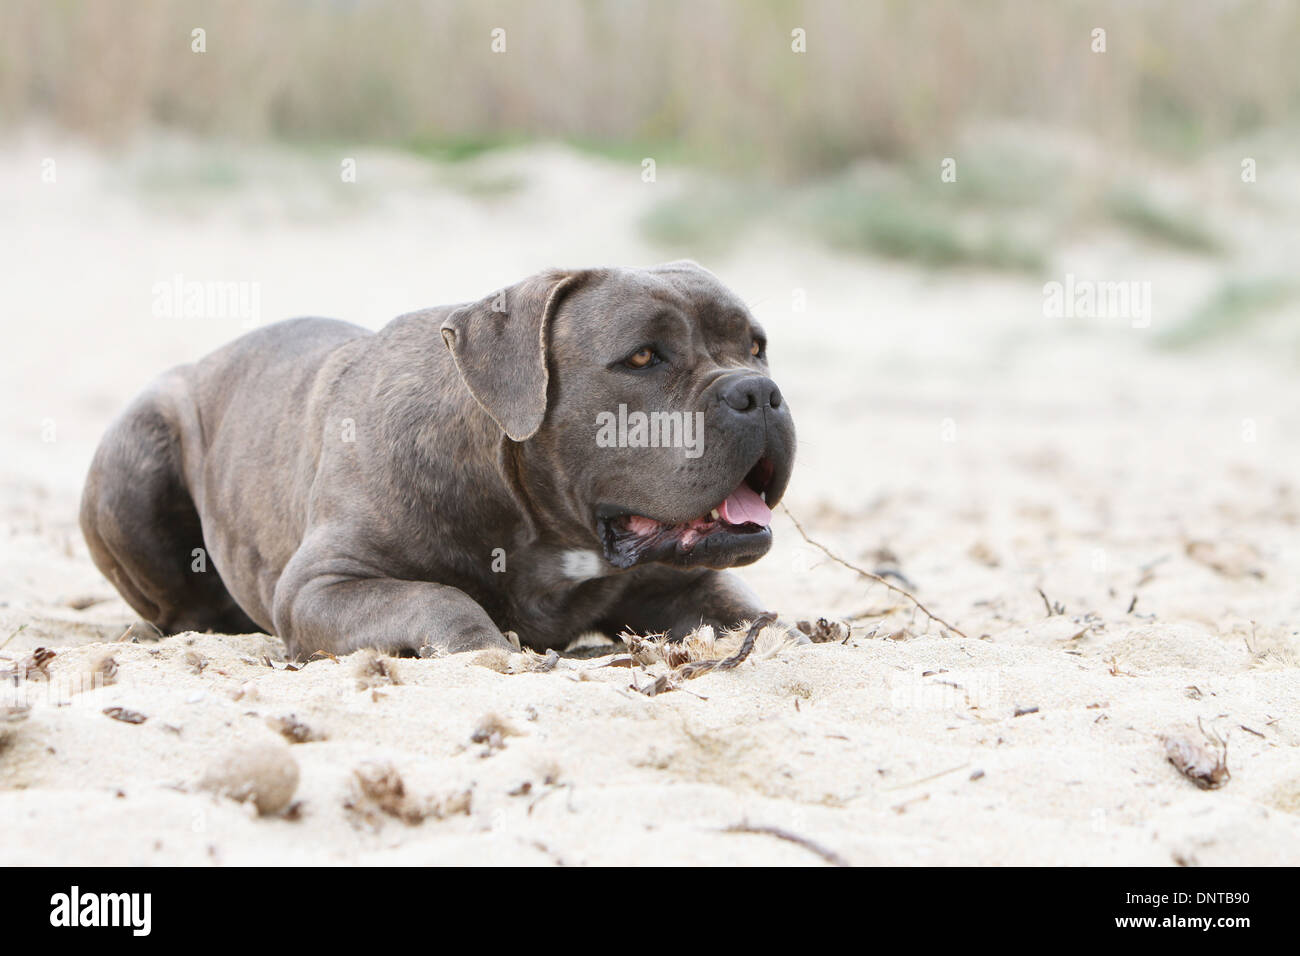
[{"x": 583, "y": 450}]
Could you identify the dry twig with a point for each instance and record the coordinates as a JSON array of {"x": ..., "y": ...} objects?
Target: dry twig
[
  {"x": 872, "y": 577},
  {"x": 679, "y": 673},
  {"x": 830, "y": 856}
]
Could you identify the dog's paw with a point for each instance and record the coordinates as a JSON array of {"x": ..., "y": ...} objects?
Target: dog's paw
[{"x": 471, "y": 639}]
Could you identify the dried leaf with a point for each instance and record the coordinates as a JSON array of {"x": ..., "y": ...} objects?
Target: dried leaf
[
  {"x": 126, "y": 716},
  {"x": 36, "y": 665},
  {"x": 1232, "y": 560},
  {"x": 659, "y": 685},
  {"x": 105, "y": 668},
  {"x": 824, "y": 631},
  {"x": 1206, "y": 766},
  {"x": 530, "y": 662},
  {"x": 379, "y": 791},
  {"x": 492, "y": 730},
  {"x": 373, "y": 669},
  {"x": 293, "y": 730}
]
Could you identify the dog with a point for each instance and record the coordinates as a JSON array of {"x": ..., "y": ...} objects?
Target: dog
[{"x": 583, "y": 450}]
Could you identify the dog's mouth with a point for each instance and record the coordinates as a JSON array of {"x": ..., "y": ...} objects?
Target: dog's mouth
[{"x": 732, "y": 533}]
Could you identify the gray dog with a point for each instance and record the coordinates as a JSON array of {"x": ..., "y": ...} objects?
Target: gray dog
[{"x": 583, "y": 450}]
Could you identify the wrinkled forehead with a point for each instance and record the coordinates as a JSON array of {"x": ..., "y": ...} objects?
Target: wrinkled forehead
[{"x": 615, "y": 300}]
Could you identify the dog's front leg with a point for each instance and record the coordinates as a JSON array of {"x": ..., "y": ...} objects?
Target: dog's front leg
[{"x": 332, "y": 605}]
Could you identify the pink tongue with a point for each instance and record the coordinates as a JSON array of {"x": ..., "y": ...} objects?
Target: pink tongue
[{"x": 744, "y": 505}]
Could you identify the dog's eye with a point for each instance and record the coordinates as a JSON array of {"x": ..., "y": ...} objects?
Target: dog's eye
[
  {"x": 757, "y": 347},
  {"x": 641, "y": 358}
]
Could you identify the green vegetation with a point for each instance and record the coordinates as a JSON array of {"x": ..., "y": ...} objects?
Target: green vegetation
[
  {"x": 461, "y": 148},
  {"x": 1234, "y": 307},
  {"x": 898, "y": 216},
  {"x": 886, "y": 87},
  {"x": 707, "y": 219},
  {"x": 1142, "y": 215},
  {"x": 893, "y": 82},
  {"x": 914, "y": 225}
]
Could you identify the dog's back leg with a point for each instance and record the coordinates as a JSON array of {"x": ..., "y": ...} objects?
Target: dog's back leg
[{"x": 143, "y": 530}]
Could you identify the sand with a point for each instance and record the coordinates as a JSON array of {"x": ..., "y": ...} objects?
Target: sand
[{"x": 948, "y": 431}]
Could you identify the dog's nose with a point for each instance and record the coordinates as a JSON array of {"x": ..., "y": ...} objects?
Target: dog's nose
[{"x": 750, "y": 393}]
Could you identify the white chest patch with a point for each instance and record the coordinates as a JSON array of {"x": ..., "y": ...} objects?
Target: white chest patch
[{"x": 579, "y": 564}]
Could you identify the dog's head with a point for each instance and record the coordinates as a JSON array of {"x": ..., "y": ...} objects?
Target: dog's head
[{"x": 641, "y": 406}]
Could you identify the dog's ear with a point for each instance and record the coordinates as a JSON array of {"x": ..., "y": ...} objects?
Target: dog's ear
[
  {"x": 681, "y": 265},
  {"x": 499, "y": 345}
]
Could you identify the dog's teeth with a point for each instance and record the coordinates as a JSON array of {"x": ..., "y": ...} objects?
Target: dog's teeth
[{"x": 714, "y": 514}]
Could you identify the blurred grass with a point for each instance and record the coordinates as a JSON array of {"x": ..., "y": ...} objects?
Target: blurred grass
[
  {"x": 914, "y": 225},
  {"x": 1234, "y": 307},
  {"x": 895, "y": 224},
  {"x": 712, "y": 80},
  {"x": 211, "y": 173},
  {"x": 840, "y": 144},
  {"x": 710, "y": 217},
  {"x": 1146, "y": 217},
  {"x": 899, "y": 211},
  {"x": 459, "y": 150}
]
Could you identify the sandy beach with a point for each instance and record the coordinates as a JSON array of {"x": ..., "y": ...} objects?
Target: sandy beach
[{"x": 1113, "y": 528}]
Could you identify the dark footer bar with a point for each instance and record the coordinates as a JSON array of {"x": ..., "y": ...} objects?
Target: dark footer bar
[{"x": 339, "y": 904}]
